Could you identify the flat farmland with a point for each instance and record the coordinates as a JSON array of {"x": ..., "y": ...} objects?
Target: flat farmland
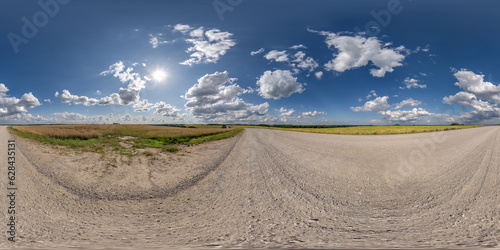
[
  {"x": 370, "y": 130},
  {"x": 95, "y": 131}
]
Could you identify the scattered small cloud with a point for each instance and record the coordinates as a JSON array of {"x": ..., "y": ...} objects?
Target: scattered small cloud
[
  {"x": 299, "y": 46},
  {"x": 156, "y": 40},
  {"x": 412, "y": 83},
  {"x": 312, "y": 114},
  {"x": 298, "y": 61},
  {"x": 277, "y": 55},
  {"x": 207, "y": 45},
  {"x": 422, "y": 49},
  {"x": 372, "y": 94},
  {"x": 286, "y": 112},
  {"x": 253, "y": 53},
  {"x": 67, "y": 116}
]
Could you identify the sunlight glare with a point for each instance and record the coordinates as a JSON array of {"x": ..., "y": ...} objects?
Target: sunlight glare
[{"x": 159, "y": 75}]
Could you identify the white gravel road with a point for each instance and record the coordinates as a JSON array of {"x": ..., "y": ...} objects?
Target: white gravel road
[{"x": 273, "y": 188}]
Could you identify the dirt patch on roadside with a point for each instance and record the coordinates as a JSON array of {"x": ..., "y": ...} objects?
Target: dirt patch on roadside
[{"x": 150, "y": 173}]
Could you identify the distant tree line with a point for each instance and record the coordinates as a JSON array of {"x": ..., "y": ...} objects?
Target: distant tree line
[
  {"x": 172, "y": 125},
  {"x": 305, "y": 126}
]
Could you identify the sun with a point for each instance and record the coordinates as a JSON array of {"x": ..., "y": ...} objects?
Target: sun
[{"x": 159, "y": 75}]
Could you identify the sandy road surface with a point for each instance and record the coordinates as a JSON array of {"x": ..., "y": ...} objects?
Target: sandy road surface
[{"x": 289, "y": 189}]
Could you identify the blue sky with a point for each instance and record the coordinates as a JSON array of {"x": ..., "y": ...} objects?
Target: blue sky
[{"x": 242, "y": 61}]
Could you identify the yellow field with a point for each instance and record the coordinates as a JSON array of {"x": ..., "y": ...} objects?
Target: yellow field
[
  {"x": 375, "y": 130},
  {"x": 95, "y": 131}
]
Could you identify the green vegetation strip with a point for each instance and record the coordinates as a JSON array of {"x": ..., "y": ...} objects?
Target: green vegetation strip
[
  {"x": 216, "y": 137},
  {"x": 70, "y": 142},
  {"x": 159, "y": 142}
]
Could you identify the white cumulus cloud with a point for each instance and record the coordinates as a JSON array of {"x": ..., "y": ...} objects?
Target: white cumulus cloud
[
  {"x": 468, "y": 100},
  {"x": 478, "y": 94},
  {"x": 379, "y": 103},
  {"x": 183, "y": 28},
  {"x": 125, "y": 96},
  {"x": 67, "y": 97},
  {"x": 164, "y": 109},
  {"x": 10, "y": 106},
  {"x": 278, "y": 84},
  {"x": 277, "y": 55},
  {"x": 142, "y": 106},
  {"x": 408, "y": 102},
  {"x": 216, "y": 97},
  {"x": 207, "y": 45},
  {"x": 303, "y": 62},
  {"x": 298, "y": 61},
  {"x": 475, "y": 84},
  {"x": 406, "y": 115},
  {"x": 354, "y": 51}
]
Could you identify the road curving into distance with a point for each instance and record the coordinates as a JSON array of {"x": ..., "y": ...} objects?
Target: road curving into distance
[{"x": 287, "y": 189}]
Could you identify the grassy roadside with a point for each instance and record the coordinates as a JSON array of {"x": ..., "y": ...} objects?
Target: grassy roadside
[
  {"x": 216, "y": 137},
  {"x": 70, "y": 142},
  {"x": 124, "y": 141},
  {"x": 369, "y": 130},
  {"x": 194, "y": 140}
]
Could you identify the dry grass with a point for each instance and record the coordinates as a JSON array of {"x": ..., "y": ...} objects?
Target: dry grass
[
  {"x": 96, "y": 131},
  {"x": 122, "y": 139},
  {"x": 375, "y": 130}
]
